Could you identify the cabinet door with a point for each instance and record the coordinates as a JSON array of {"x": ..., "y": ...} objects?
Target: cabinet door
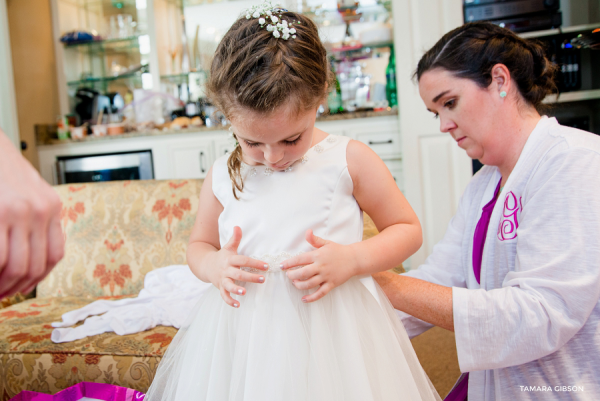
[
  {"x": 192, "y": 161},
  {"x": 224, "y": 145}
]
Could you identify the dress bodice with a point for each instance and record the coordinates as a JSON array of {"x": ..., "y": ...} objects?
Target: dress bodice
[{"x": 277, "y": 207}]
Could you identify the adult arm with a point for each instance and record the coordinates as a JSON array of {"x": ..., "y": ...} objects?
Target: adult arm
[
  {"x": 555, "y": 284},
  {"x": 423, "y": 296},
  {"x": 31, "y": 238}
]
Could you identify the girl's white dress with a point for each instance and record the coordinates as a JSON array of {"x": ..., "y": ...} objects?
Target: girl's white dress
[{"x": 347, "y": 346}]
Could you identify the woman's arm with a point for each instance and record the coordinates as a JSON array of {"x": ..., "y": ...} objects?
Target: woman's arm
[{"x": 429, "y": 302}]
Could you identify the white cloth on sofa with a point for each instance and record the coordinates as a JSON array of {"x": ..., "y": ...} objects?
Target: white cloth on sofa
[{"x": 167, "y": 299}]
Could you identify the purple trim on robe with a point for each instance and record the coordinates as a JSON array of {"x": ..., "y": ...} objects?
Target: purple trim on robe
[
  {"x": 460, "y": 390},
  {"x": 481, "y": 231},
  {"x": 101, "y": 391}
]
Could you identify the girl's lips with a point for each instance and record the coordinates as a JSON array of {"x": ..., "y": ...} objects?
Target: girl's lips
[
  {"x": 459, "y": 140},
  {"x": 282, "y": 166}
]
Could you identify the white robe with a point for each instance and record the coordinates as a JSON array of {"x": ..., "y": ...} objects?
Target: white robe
[{"x": 532, "y": 327}]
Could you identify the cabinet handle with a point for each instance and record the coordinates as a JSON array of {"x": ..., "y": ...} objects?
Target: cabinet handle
[
  {"x": 226, "y": 151},
  {"x": 380, "y": 142},
  {"x": 201, "y": 163}
]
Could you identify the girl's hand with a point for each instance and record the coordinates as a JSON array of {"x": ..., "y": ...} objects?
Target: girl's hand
[
  {"x": 230, "y": 270},
  {"x": 328, "y": 266}
]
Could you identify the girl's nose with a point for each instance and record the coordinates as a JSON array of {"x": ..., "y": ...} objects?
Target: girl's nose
[{"x": 273, "y": 154}]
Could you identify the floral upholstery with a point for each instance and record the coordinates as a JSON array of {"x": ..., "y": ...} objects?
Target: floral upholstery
[{"x": 116, "y": 232}]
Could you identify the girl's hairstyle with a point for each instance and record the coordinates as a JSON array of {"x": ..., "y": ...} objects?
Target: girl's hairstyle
[
  {"x": 470, "y": 51},
  {"x": 253, "y": 70}
]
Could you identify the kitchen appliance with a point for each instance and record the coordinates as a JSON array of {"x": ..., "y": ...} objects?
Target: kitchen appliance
[
  {"x": 517, "y": 15},
  {"x": 111, "y": 167}
]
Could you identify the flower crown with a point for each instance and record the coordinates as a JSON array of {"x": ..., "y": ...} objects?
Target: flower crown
[{"x": 266, "y": 11}]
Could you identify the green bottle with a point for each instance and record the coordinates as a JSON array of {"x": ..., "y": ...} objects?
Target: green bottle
[
  {"x": 334, "y": 99},
  {"x": 391, "y": 92}
]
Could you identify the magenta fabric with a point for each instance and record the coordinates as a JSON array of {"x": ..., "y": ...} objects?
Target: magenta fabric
[
  {"x": 460, "y": 391},
  {"x": 481, "y": 231},
  {"x": 101, "y": 391}
]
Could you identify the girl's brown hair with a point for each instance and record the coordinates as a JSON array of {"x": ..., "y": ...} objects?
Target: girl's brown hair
[
  {"x": 252, "y": 70},
  {"x": 470, "y": 51}
]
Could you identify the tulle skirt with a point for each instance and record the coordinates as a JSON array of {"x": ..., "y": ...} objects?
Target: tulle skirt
[{"x": 347, "y": 346}]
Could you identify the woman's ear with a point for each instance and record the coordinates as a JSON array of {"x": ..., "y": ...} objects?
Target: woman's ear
[{"x": 501, "y": 80}]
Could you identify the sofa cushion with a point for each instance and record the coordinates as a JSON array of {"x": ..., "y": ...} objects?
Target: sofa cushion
[
  {"x": 30, "y": 360},
  {"x": 118, "y": 231}
]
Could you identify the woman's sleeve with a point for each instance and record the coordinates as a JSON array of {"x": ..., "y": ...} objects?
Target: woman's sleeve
[
  {"x": 555, "y": 285},
  {"x": 445, "y": 264}
]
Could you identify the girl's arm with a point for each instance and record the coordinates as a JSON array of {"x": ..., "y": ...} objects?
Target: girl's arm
[
  {"x": 400, "y": 235},
  {"x": 379, "y": 196},
  {"x": 207, "y": 260}
]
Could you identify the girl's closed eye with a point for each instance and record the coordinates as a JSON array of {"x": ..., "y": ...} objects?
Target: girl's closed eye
[
  {"x": 251, "y": 144},
  {"x": 293, "y": 142}
]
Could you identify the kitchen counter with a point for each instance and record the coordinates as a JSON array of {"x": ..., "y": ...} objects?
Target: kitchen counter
[{"x": 44, "y": 140}]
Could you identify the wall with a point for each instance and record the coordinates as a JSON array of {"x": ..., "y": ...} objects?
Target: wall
[
  {"x": 30, "y": 27},
  {"x": 8, "y": 112}
]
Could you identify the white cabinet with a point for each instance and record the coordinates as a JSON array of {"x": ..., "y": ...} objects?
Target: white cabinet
[{"x": 192, "y": 161}]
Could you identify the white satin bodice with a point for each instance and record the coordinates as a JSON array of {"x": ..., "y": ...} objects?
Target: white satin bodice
[{"x": 277, "y": 207}]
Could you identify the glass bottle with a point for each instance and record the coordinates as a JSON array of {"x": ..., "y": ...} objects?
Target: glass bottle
[{"x": 390, "y": 75}]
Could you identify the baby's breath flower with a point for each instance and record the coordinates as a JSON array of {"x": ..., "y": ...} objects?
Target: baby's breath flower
[
  {"x": 276, "y": 33},
  {"x": 261, "y": 21},
  {"x": 293, "y": 31},
  {"x": 256, "y": 14},
  {"x": 274, "y": 18},
  {"x": 286, "y": 36}
]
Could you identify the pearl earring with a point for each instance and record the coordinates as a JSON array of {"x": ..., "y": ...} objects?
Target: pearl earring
[{"x": 503, "y": 94}]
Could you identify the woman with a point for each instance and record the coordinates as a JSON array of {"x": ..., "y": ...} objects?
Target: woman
[{"x": 517, "y": 275}]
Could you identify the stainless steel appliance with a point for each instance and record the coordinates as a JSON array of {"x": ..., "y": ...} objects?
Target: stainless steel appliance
[
  {"x": 111, "y": 167},
  {"x": 518, "y": 15}
]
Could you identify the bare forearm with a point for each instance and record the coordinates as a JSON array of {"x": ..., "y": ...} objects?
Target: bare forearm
[
  {"x": 388, "y": 249},
  {"x": 429, "y": 302},
  {"x": 199, "y": 256}
]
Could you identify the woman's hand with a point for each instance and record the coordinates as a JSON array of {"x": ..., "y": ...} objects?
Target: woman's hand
[
  {"x": 327, "y": 267},
  {"x": 230, "y": 269},
  {"x": 31, "y": 238}
]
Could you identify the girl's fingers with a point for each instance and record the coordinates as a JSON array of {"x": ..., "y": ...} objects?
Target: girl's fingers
[
  {"x": 245, "y": 261},
  {"x": 227, "y": 298},
  {"x": 313, "y": 282},
  {"x": 241, "y": 275},
  {"x": 320, "y": 293},
  {"x": 233, "y": 288},
  {"x": 303, "y": 273},
  {"x": 299, "y": 260}
]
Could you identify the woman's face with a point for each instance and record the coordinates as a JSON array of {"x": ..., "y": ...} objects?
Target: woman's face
[
  {"x": 276, "y": 140},
  {"x": 465, "y": 110}
]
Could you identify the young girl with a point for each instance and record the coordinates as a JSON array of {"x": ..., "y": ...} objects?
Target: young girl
[{"x": 279, "y": 234}]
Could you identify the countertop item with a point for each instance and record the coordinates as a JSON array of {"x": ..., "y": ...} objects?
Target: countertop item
[{"x": 44, "y": 133}]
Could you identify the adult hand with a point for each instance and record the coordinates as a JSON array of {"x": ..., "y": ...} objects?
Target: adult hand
[
  {"x": 328, "y": 266},
  {"x": 231, "y": 271},
  {"x": 31, "y": 239}
]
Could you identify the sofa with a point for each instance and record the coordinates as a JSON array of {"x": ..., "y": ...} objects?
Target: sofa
[{"x": 116, "y": 232}]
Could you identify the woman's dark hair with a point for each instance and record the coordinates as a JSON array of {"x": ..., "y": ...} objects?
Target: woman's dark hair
[
  {"x": 470, "y": 52},
  {"x": 253, "y": 70}
]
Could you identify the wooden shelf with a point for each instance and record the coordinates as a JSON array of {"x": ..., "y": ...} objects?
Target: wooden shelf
[{"x": 575, "y": 96}]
